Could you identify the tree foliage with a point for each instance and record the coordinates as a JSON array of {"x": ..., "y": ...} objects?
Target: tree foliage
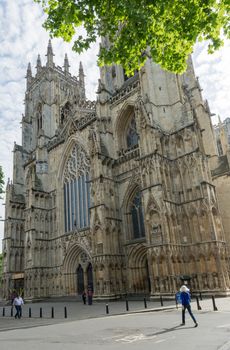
[
  {"x": 1, "y": 181},
  {"x": 167, "y": 30}
]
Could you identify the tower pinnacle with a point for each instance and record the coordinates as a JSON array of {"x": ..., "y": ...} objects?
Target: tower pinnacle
[
  {"x": 29, "y": 77},
  {"x": 82, "y": 79},
  {"x": 66, "y": 64},
  {"x": 39, "y": 64},
  {"x": 49, "y": 55}
]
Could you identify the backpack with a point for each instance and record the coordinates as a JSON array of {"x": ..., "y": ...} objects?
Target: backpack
[{"x": 178, "y": 298}]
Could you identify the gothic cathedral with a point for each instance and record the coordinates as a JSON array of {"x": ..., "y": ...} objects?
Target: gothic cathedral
[{"x": 125, "y": 195}]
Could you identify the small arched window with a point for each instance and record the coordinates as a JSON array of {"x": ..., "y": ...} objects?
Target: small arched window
[
  {"x": 131, "y": 133},
  {"x": 39, "y": 117},
  {"x": 137, "y": 218}
]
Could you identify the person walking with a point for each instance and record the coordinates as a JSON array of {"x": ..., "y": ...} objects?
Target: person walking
[
  {"x": 83, "y": 297},
  {"x": 18, "y": 302},
  {"x": 185, "y": 301}
]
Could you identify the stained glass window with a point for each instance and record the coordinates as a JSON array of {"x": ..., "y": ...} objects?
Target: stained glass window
[
  {"x": 138, "y": 227},
  {"x": 76, "y": 190},
  {"x": 131, "y": 135}
]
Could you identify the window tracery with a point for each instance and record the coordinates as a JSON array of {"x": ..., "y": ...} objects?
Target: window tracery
[
  {"x": 76, "y": 190},
  {"x": 131, "y": 133},
  {"x": 137, "y": 218}
]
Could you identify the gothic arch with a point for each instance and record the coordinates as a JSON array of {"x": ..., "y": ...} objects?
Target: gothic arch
[
  {"x": 139, "y": 281},
  {"x": 125, "y": 117},
  {"x": 38, "y": 116},
  {"x": 72, "y": 141},
  {"x": 72, "y": 256},
  {"x": 133, "y": 210},
  {"x": 76, "y": 258},
  {"x": 73, "y": 194},
  {"x": 132, "y": 186}
]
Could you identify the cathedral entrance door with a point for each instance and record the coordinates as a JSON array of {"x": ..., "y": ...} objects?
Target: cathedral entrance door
[
  {"x": 139, "y": 274},
  {"x": 80, "y": 279}
]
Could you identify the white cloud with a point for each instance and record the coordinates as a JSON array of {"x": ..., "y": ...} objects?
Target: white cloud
[
  {"x": 22, "y": 38},
  {"x": 214, "y": 76}
]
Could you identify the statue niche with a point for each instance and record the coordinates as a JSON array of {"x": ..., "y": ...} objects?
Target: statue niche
[{"x": 65, "y": 112}]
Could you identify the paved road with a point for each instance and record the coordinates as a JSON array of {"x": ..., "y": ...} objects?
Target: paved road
[
  {"x": 159, "y": 331},
  {"x": 151, "y": 330}
]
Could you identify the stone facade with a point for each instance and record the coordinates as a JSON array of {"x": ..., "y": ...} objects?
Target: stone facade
[{"x": 116, "y": 195}]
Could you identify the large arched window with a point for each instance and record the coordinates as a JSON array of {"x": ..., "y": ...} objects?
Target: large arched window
[
  {"x": 76, "y": 190},
  {"x": 137, "y": 219}
]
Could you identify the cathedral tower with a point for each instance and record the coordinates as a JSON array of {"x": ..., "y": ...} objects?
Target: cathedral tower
[{"x": 116, "y": 196}]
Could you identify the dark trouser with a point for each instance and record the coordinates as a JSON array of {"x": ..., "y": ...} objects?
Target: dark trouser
[
  {"x": 188, "y": 307},
  {"x": 19, "y": 311}
]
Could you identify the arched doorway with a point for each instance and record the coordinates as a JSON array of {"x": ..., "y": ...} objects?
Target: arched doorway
[
  {"x": 80, "y": 279},
  {"x": 139, "y": 274},
  {"x": 77, "y": 270}
]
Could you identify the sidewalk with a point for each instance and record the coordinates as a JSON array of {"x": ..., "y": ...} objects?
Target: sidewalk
[{"x": 77, "y": 311}]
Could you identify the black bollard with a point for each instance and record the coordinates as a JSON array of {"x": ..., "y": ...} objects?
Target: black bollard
[
  {"x": 161, "y": 300},
  {"x": 29, "y": 312},
  {"x": 145, "y": 303},
  {"x": 198, "y": 304},
  {"x": 40, "y": 312},
  {"x": 52, "y": 312},
  {"x": 65, "y": 312},
  {"x": 3, "y": 312},
  {"x": 12, "y": 311},
  {"x": 201, "y": 296},
  {"x": 127, "y": 305},
  {"x": 214, "y": 304},
  {"x": 107, "y": 308}
]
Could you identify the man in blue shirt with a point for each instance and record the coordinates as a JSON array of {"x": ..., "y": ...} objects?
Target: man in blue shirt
[{"x": 185, "y": 301}]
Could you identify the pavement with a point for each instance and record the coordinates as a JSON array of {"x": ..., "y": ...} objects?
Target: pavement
[
  {"x": 53, "y": 312},
  {"x": 90, "y": 327}
]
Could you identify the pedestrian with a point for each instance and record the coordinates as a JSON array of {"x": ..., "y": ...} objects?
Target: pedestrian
[
  {"x": 185, "y": 301},
  {"x": 90, "y": 297},
  {"x": 18, "y": 302},
  {"x": 83, "y": 297}
]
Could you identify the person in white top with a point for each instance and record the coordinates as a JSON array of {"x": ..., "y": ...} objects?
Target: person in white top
[{"x": 18, "y": 302}]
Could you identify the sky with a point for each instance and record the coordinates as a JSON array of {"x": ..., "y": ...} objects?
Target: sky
[{"x": 22, "y": 38}]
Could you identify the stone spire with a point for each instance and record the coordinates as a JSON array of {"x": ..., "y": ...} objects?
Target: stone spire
[
  {"x": 81, "y": 77},
  {"x": 219, "y": 120},
  {"x": 39, "y": 64},
  {"x": 49, "y": 55},
  {"x": 66, "y": 64},
  {"x": 29, "y": 77}
]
